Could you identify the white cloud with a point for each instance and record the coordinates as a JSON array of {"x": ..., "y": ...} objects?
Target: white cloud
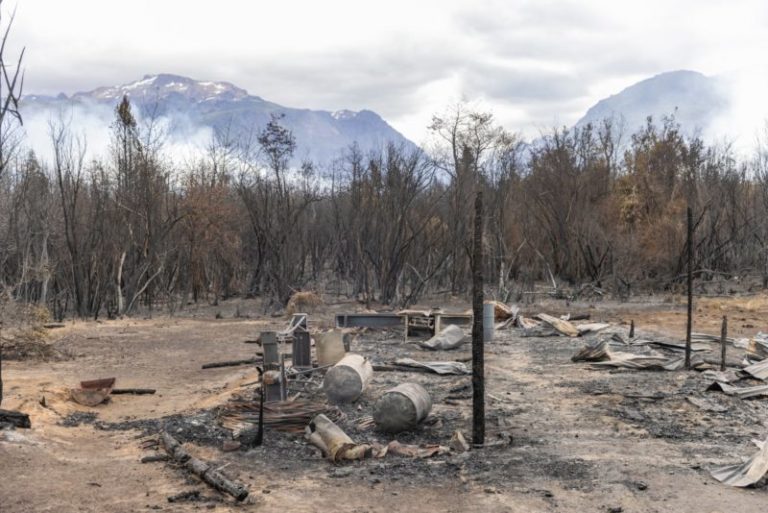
[{"x": 533, "y": 62}]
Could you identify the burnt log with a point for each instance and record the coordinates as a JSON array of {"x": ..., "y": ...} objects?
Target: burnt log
[
  {"x": 133, "y": 391},
  {"x": 231, "y": 363},
  {"x": 203, "y": 470},
  {"x": 15, "y": 418}
]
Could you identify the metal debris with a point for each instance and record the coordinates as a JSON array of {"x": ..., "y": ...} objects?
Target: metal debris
[
  {"x": 414, "y": 451},
  {"x": 594, "y": 351},
  {"x": 442, "y": 368},
  {"x": 747, "y": 473},
  {"x": 333, "y": 442},
  {"x": 758, "y": 370},
  {"x": 563, "y": 327},
  {"x": 450, "y": 338},
  {"x": 742, "y": 393}
]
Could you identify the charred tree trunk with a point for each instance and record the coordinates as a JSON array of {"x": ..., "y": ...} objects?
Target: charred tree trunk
[
  {"x": 689, "y": 325},
  {"x": 478, "y": 363}
]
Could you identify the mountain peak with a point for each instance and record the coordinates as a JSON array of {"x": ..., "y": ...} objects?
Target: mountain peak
[
  {"x": 692, "y": 97},
  {"x": 164, "y": 85},
  {"x": 194, "y": 109}
]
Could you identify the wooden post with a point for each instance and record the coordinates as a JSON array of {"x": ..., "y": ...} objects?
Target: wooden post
[
  {"x": 283, "y": 379},
  {"x": 260, "y": 433},
  {"x": 632, "y": 328},
  {"x": 723, "y": 337},
  {"x": 1, "y": 361},
  {"x": 689, "y": 325},
  {"x": 478, "y": 363},
  {"x": 1, "y": 370}
]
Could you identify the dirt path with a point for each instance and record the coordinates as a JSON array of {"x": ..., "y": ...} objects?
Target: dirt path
[{"x": 583, "y": 440}]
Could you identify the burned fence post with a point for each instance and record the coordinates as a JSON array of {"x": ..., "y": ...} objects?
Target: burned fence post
[
  {"x": 478, "y": 363},
  {"x": 689, "y": 326},
  {"x": 632, "y": 328},
  {"x": 723, "y": 337},
  {"x": 1, "y": 369}
]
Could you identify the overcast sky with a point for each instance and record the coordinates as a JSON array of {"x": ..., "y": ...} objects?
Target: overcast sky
[{"x": 534, "y": 63}]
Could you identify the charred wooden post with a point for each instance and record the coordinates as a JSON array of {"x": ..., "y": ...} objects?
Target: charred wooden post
[
  {"x": 632, "y": 328},
  {"x": 260, "y": 433},
  {"x": 723, "y": 338},
  {"x": 478, "y": 361},
  {"x": 283, "y": 379},
  {"x": 203, "y": 470},
  {"x": 1, "y": 367},
  {"x": 689, "y": 325}
]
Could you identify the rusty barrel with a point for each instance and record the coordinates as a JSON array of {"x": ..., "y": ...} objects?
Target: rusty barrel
[
  {"x": 345, "y": 381},
  {"x": 402, "y": 408}
]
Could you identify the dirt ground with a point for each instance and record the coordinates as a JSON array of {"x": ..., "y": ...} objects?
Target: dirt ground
[{"x": 583, "y": 439}]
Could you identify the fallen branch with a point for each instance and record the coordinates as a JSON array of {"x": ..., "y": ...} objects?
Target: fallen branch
[
  {"x": 231, "y": 363},
  {"x": 203, "y": 470},
  {"x": 133, "y": 391}
]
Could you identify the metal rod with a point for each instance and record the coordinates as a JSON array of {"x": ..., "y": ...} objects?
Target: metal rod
[{"x": 309, "y": 371}]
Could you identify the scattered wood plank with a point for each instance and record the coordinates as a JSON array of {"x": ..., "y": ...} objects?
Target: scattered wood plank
[
  {"x": 203, "y": 470},
  {"x": 15, "y": 418}
]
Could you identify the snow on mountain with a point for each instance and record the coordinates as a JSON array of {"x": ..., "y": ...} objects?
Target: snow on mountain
[{"x": 198, "y": 107}]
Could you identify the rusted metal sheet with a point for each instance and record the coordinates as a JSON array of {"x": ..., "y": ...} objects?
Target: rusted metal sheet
[{"x": 97, "y": 383}]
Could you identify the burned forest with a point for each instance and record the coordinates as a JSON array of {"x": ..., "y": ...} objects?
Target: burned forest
[
  {"x": 213, "y": 301},
  {"x": 583, "y": 210}
]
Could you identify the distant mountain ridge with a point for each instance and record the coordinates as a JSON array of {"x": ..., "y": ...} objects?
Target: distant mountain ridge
[
  {"x": 192, "y": 104},
  {"x": 695, "y": 99}
]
